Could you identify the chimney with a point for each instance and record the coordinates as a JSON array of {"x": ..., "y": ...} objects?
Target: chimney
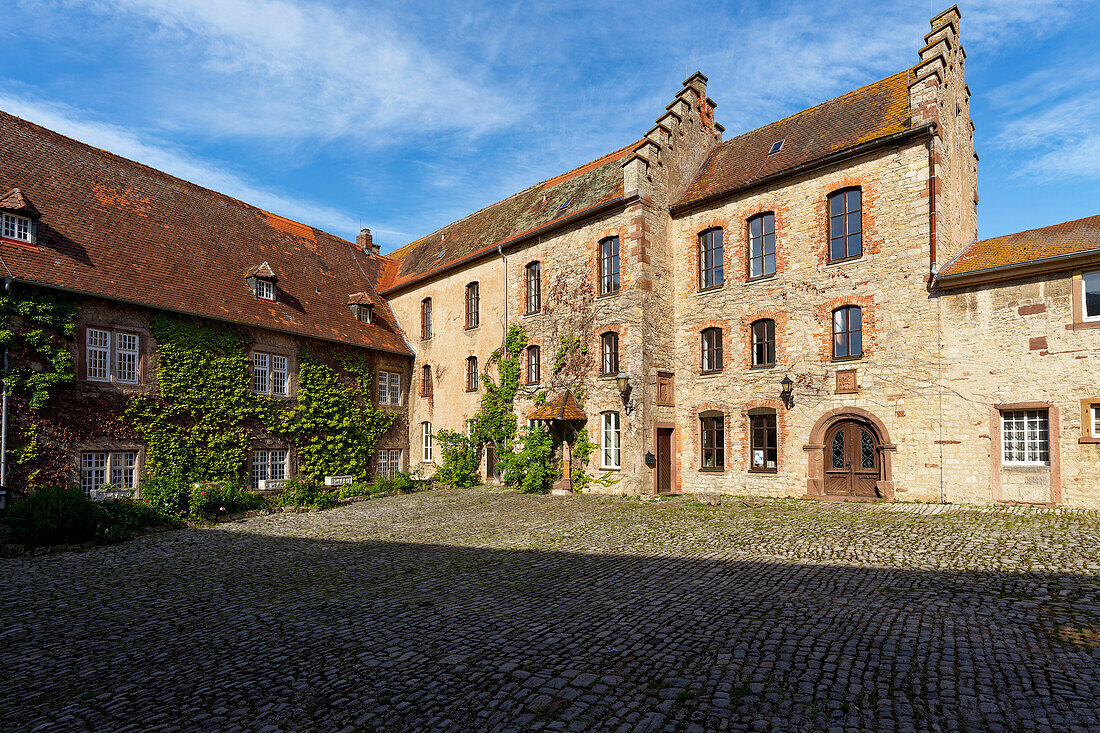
[{"x": 366, "y": 243}]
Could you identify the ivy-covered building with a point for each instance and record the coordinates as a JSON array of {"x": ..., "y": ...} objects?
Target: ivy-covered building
[{"x": 154, "y": 325}]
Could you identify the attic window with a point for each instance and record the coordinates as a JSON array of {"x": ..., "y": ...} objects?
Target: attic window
[
  {"x": 363, "y": 313},
  {"x": 776, "y": 147},
  {"x": 18, "y": 217},
  {"x": 261, "y": 280},
  {"x": 265, "y": 289},
  {"x": 17, "y": 227}
]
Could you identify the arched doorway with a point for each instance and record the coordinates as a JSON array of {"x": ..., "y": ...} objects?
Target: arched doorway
[{"x": 850, "y": 456}]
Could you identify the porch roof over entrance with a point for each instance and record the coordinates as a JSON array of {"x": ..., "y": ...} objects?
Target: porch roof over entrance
[{"x": 564, "y": 407}]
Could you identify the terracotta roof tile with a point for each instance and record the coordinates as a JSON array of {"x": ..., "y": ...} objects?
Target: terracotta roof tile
[
  {"x": 1067, "y": 238},
  {"x": 14, "y": 200},
  {"x": 871, "y": 112},
  {"x": 562, "y": 407},
  {"x": 118, "y": 229}
]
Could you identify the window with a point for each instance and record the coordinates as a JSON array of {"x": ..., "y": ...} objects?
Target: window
[
  {"x": 364, "y": 313},
  {"x": 710, "y": 258},
  {"x": 1095, "y": 415},
  {"x": 388, "y": 463},
  {"x": 99, "y": 468},
  {"x": 712, "y": 350},
  {"x": 269, "y": 374},
  {"x": 611, "y": 441},
  {"x": 847, "y": 332},
  {"x": 265, "y": 289},
  {"x": 268, "y": 465},
  {"x": 763, "y": 342},
  {"x": 1026, "y": 437},
  {"x": 764, "y": 439},
  {"x": 1091, "y": 284},
  {"x": 389, "y": 388},
  {"x": 762, "y": 245},
  {"x": 534, "y": 368},
  {"x": 776, "y": 147},
  {"x": 609, "y": 349},
  {"x": 426, "y": 445},
  {"x": 471, "y": 374},
  {"x": 426, "y": 380},
  {"x": 112, "y": 356},
  {"x": 17, "y": 227},
  {"x": 845, "y": 225},
  {"x": 534, "y": 287},
  {"x": 473, "y": 305},
  {"x": 609, "y": 266},
  {"x": 712, "y": 429},
  {"x": 426, "y": 319}
]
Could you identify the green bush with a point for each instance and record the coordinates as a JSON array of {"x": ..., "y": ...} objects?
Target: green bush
[
  {"x": 460, "y": 460},
  {"x": 209, "y": 500},
  {"x": 532, "y": 469},
  {"x": 306, "y": 492},
  {"x": 54, "y": 515},
  {"x": 168, "y": 493},
  {"x": 124, "y": 517}
]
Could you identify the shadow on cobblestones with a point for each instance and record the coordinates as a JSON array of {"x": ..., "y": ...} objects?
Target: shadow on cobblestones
[{"x": 238, "y": 630}]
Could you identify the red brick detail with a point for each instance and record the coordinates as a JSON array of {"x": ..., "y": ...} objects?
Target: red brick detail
[
  {"x": 869, "y": 195},
  {"x": 1030, "y": 310},
  {"x": 745, "y": 337},
  {"x": 594, "y": 258},
  {"x": 696, "y": 446},
  {"x": 729, "y": 343},
  {"x": 1038, "y": 343},
  {"x": 824, "y": 315}
]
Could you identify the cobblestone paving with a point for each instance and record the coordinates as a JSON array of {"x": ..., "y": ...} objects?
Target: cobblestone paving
[{"x": 490, "y": 610}]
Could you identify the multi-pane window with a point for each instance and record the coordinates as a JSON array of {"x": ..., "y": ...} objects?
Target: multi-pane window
[
  {"x": 763, "y": 342},
  {"x": 764, "y": 441},
  {"x": 534, "y": 287},
  {"x": 389, "y": 388},
  {"x": 426, "y": 380},
  {"x": 426, "y": 442},
  {"x": 612, "y": 455},
  {"x": 388, "y": 463},
  {"x": 1091, "y": 305},
  {"x": 269, "y": 374},
  {"x": 426, "y": 319},
  {"x": 1026, "y": 436},
  {"x": 762, "y": 245},
  {"x": 17, "y": 227},
  {"x": 1094, "y": 411},
  {"x": 609, "y": 349},
  {"x": 710, "y": 258},
  {"x": 99, "y": 468},
  {"x": 609, "y": 266},
  {"x": 847, "y": 332},
  {"x": 268, "y": 465},
  {"x": 534, "y": 367},
  {"x": 265, "y": 289},
  {"x": 471, "y": 374},
  {"x": 712, "y": 430},
  {"x": 112, "y": 356},
  {"x": 473, "y": 305},
  {"x": 712, "y": 349},
  {"x": 845, "y": 225}
]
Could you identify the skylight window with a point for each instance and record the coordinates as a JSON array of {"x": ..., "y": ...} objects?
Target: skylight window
[{"x": 776, "y": 147}]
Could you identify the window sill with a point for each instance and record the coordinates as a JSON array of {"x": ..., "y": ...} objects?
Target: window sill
[
  {"x": 532, "y": 313},
  {"x": 601, "y": 296},
  {"x": 1087, "y": 440},
  {"x": 762, "y": 366},
  {"x": 20, "y": 243},
  {"x": 847, "y": 260},
  {"x": 760, "y": 278},
  {"x": 712, "y": 373},
  {"x": 608, "y": 375},
  {"x": 847, "y": 359},
  {"x": 711, "y": 289},
  {"x": 472, "y": 328},
  {"x": 766, "y": 471},
  {"x": 611, "y": 468},
  {"x": 712, "y": 470},
  {"x": 1082, "y": 326},
  {"x": 1027, "y": 467}
]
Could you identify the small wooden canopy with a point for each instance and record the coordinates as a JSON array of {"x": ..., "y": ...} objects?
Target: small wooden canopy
[{"x": 563, "y": 408}]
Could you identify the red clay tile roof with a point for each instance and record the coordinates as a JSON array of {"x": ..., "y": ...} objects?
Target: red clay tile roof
[
  {"x": 121, "y": 230},
  {"x": 562, "y": 407},
  {"x": 1068, "y": 238},
  {"x": 543, "y": 204},
  {"x": 262, "y": 270},
  {"x": 14, "y": 200},
  {"x": 869, "y": 113}
]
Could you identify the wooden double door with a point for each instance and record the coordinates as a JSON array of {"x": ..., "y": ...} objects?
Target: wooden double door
[{"x": 853, "y": 463}]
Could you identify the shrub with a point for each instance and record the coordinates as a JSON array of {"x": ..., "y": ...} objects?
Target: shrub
[
  {"x": 123, "y": 517},
  {"x": 53, "y": 515},
  {"x": 209, "y": 500},
  {"x": 460, "y": 460},
  {"x": 168, "y": 493},
  {"x": 306, "y": 492},
  {"x": 532, "y": 469}
]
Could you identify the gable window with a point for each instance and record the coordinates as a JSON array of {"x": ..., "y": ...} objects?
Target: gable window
[
  {"x": 1091, "y": 285},
  {"x": 763, "y": 342},
  {"x": 99, "y": 468},
  {"x": 534, "y": 288},
  {"x": 389, "y": 388},
  {"x": 426, "y": 380},
  {"x": 426, "y": 319},
  {"x": 609, "y": 266},
  {"x": 17, "y": 227},
  {"x": 710, "y": 258},
  {"x": 471, "y": 374},
  {"x": 364, "y": 313},
  {"x": 713, "y": 433},
  {"x": 847, "y": 332},
  {"x": 712, "y": 350},
  {"x": 764, "y": 440},
  {"x": 612, "y": 454},
  {"x": 265, "y": 289},
  {"x": 426, "y": 442},
  {"x": 609, "y": 349},
  {"x": 1025, "y": 435},
  {"x": 269, "y": 374},
  {"x": 473, "y": 305},
  {"x": 534, "y": 368},
  {"x": 111, "y": 356},
  {"x": 762, "y": 245},
  {"x": 845, "y": 225},
  {"x": 268, "y": 466},
  {"x": 388, "y": 463}
]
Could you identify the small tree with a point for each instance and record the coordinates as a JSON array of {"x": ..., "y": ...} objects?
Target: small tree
[
  {"x": 460, "y": 460},
  {"x": 532, "y": 468}
]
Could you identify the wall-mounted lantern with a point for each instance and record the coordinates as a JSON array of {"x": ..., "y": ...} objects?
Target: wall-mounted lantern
[
  {"x": 623, "y": 382},
  {"x": 786, "y": 392}
]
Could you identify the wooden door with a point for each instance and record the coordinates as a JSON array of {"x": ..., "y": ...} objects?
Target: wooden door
[
  {"x": 664, "y": 460},
  {"x": 851, "y": 461},
  {"x": 490, "y": 462}
]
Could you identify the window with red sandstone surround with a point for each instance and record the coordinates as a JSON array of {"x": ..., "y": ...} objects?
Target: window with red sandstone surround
[
  {"x": 845, "y": 225},
  {"x": 712, "y": 350},
  {"x": 762, "y": 245},
  {"x": 710, "y": 259}
]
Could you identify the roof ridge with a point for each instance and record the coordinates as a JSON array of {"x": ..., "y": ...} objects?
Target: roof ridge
[{"x": 1037, "y": 229}]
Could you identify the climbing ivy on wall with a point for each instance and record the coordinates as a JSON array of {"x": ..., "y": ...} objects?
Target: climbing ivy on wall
[
  {"x": 496, "y": 422},
  {"x": 36, "y": 327}
]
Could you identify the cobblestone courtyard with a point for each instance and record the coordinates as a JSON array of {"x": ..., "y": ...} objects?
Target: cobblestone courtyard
[{"x": 490, "y": 610}]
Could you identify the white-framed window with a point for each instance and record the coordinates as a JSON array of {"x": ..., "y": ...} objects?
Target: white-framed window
[
  {"x": 1095, "y": 413},
  {"x": 270, "y": 374},
  {"x": 98, "y": 354},
  {"x": 112, "y": 356},
  {"x": 1025, "y": 436},
  {"x": 426, "y": 445},
  {"x": 126, "y": 358},
  {"x": 17, "y": 227},
  {"x": 389, "y": 388},
  {"x": 268, "y": 465},
  {"x": 388, "y": 463},
  {"x": 470, "y": 425},
  {"x": 99, "y": 468},
  {"x": 611, "y": 457},
  {"x": 1090, "y": 306},
  {"x": 265, "y": 289}
]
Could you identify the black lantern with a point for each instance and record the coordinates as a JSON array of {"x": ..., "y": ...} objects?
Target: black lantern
[
  {"x": 622, "y": 380},
  {"x": 786, "y": 392}
]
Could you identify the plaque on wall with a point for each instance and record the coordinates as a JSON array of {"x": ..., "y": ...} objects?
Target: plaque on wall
[{"x": 846, "y": 382}]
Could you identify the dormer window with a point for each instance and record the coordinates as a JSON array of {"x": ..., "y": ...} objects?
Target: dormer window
[
  {"x": 18, "y": 217},
  {"x": 265, "y": 289},
  {"x": 261, "y": 280},
  {"x": 362, "y": 306},
  {"x": 17, "y": 227}
]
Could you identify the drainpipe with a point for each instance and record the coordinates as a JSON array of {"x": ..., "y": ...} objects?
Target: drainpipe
[{"x": 4, "y": 424}]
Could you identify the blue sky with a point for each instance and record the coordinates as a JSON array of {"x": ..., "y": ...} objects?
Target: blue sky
[{"x": 406, "y": 116}]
